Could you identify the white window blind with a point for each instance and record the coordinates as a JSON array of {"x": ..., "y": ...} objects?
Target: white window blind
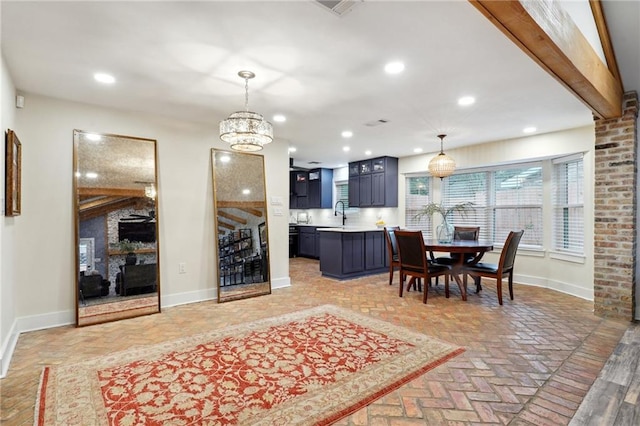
[
  {"x": 463, "y": 188},
  {"x": 417, "y": 196},
  {"x": 568, "y": 205},
  {"x": 505, "y": 199},
  {"x": 342, "y": 192},
  {"x": 518, "y": 203}
]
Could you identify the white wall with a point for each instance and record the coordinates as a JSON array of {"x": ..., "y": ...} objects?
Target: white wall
[
  {"x": 542, "y": 268},
  {"x": 44, "y": 262},
  {"x": 8, "y": 334}
]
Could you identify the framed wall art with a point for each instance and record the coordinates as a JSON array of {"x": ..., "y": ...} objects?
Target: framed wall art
[{"x": 13, "y": 169}]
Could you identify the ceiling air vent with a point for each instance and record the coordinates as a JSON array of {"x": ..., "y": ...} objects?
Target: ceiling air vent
[
  {"x": 338, "y": 7},
  {"x": 376, "y": 122},
  {"x": 313, "y": 162}
]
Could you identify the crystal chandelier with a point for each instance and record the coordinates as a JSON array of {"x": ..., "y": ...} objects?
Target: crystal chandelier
[
  {"x": 246, "y": 130},
  {"x": 442, "y": 165}
]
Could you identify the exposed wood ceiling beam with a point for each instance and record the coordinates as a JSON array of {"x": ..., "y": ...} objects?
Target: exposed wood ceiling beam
[
  {"x": 603, "y": 33},
  {"x": 225, "y": 225},
  {"x": 232, "y": 217},
  {"x": 545, "y": 32},
  {"x": 98, "y": 202},
  {"x": 255, "y": 208},
  {"x": 255, "y": 212},
  {"x": 121, "y": 192},
  {"x": 241, "y": 204},
  {"x": 102, "y": 209}
]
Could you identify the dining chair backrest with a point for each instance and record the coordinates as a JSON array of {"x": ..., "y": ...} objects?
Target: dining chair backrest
[
  {"x": 411, "y": 250},
  {"x": 466, "y": 233},
  {"x": 508, "y": 255},
  {"x": 390, "y": 238}
]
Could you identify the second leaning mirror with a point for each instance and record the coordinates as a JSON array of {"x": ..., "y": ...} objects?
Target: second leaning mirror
[{"x": 240, "y": 213}]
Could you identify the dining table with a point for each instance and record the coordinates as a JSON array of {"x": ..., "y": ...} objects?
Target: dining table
[{"x": 477, "y": 248}]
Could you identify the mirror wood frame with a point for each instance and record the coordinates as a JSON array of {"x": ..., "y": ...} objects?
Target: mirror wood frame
[
  {"x": 241, "y": 225},
  {"x": 125, "y": 182}
]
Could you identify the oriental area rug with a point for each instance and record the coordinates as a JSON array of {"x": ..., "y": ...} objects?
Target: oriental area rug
[{"x": 310, "y": 367}]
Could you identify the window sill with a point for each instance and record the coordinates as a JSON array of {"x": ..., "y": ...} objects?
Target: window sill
[{"x": 567, "y": 257}]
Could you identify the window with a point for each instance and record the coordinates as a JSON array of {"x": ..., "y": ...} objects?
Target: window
[
  {"x": 417, "y": 196},
  {"x": 342, "y": 192},
  {"x": 568, "y": 205},
  {"x": 468, "y": 187},
  {"x": 505, "y": 199}
]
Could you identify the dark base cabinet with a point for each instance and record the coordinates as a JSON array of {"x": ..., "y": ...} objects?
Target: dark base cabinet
[
  {"x": 308, "y": 241},
  {"x": 346, "y": 255}
]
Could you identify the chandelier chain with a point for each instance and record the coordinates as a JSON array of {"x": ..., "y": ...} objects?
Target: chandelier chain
[{"x": 246, "y": 93}]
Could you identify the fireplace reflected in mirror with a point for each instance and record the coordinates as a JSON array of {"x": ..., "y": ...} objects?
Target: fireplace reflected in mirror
[
  {"x": 116, "y": 227},
  {"x": 241, "y": 225}
]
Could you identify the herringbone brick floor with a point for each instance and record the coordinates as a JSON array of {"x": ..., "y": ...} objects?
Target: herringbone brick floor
[{"x": 528, "y": 362}]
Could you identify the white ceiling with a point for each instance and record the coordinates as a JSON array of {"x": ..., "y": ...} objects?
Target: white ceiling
[{"x": 323, "y": 72}]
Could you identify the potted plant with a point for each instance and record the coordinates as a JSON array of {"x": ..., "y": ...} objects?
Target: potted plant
[
  {"x": 129, "y": 247},
  {"x": 444, "y": 231}
]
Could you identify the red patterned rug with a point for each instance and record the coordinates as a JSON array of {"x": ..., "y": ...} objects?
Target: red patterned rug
[{"x": 310, "y": 367}]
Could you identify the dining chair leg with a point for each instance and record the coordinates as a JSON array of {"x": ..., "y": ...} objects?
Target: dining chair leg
[
  {"x": 511, "y": 285},
  {"x": 446, "y": 286},
  {"x": 414, "y": 281},
  {"x": 426, "y": 291},
  {"x": 499, "y": 287},
  {"x": 478, "y": 284},
  {"x": 391, "y": 275}
]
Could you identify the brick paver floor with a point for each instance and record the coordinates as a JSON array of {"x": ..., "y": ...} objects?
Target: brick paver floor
[{"x": 528, "y": 362}]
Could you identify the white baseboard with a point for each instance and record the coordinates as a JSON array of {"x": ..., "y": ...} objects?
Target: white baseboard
[
  {"x": 188, "y": 297},
  {"x": 560, "y": 286},
  {"x": 7, "y": 350},
  {"x": 281, "y": 282}
]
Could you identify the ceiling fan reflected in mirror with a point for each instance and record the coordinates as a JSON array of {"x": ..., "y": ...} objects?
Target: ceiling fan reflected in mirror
[{"x": 140, "y": 217}]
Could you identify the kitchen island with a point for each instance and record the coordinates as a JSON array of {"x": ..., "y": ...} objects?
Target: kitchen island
[{"x": 352, "y": 252}]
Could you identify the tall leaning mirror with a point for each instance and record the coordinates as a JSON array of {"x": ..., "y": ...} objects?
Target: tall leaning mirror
[
  {"x": 117, "y": 251},
  {"x": 240, "y": 213}
]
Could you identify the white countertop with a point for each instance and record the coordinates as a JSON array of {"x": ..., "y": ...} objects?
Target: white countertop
[{"x": 351, "y": 229}]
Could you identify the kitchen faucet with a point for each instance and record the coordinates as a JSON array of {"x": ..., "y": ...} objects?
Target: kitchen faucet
[{"x": 335, "y": 211}]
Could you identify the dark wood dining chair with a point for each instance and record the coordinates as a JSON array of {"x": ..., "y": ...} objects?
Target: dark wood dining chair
[
  {"x": 497, "y": 271},
  {"x": 465, "y": 233},
  {"x": 392, "y": 250},
  {"x": 414, "y": 262}
]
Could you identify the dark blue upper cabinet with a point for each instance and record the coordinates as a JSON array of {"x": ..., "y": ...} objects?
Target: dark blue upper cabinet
[
  {"x": 374, "y": 183},
  {"x": 320, "y": 188}
]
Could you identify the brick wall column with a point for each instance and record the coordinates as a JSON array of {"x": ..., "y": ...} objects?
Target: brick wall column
[{"x": 615, "y": 199}]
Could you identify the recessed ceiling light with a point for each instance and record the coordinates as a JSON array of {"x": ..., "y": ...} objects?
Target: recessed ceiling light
[
  {"x": 347, "y": 134},
  {"x": 91, "y": 175},
  {"x": 279, "y": 118},
  {"x": 246, "y": 191},
  {"x": 367, "y": 152},
  {"x": 346, "y": 149},
  {"x": 292, "y": 149},
  {"x": 104, "y": 78},
  {"x": 529, "y": 129},
  {"x": 394, "y": 68},
  {"x": 466, "y": 101},
  {"x": 417, "y": 150}
]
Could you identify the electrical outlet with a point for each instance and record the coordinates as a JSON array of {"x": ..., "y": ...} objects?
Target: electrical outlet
[{"x": 182, "y": 268}]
